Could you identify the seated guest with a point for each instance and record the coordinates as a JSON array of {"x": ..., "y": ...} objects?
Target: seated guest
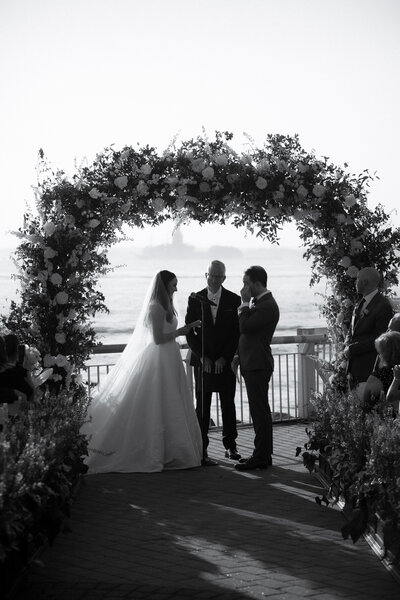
[
  {"x": 13, "y": 375},
  {"x": 381, "y": 379},
  {"x": 393, "y": 325}
]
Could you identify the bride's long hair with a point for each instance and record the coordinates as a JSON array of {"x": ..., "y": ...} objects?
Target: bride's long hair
[{"x": 161, "y": 295}]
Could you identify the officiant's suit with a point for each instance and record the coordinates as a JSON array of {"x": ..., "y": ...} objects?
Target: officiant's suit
[
  {"x": 220, "y": 340},
  {"x": 366, "y": 325},
  {"x": 257, "y": 326}
]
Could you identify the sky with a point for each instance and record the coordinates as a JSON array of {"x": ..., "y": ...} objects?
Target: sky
[{"x": 80, "y": 75}]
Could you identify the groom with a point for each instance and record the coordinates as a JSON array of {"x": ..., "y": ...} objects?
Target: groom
[
  {"x": 221, "y": 334},
  {"x": 257, "y": 324}
]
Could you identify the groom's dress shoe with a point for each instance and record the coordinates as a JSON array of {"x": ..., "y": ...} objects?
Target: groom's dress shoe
[
  {"x": 232, "y": 453},
  {"x": 268, "y": 461},
  {"x": 250, "y": 464},
  {"x": 208, "y": 462}
]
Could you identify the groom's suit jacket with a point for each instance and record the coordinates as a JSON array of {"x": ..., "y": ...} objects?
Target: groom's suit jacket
[
  {"x": 220, "y": 338},
  {"x": 257, "y": 326},
  {"x": 362, "y": 335}
]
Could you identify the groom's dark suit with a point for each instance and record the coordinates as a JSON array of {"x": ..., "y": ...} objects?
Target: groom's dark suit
[
  {"x": 257, "y": 326},
  {"x": 220, "y": 340},
  {"x": 364, "y": 329}
]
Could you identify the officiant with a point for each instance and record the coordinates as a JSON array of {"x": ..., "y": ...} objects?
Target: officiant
[{"x": 212, "y": 364}]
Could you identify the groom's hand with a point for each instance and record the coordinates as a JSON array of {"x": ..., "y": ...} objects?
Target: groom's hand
[{"x": 245, "y": 293}]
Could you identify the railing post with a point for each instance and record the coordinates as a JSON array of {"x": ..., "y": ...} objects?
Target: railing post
[{"x": 307, "y": 372}]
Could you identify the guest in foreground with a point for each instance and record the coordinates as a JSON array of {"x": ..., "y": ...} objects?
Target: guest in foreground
[
  {"x": 382, "y": 386},
  {"x": 142, "y": 416},
  {"x": 369, "y": 320},
  {"x": 257, "y": 325},
  {"x": 220, "y": 331}
]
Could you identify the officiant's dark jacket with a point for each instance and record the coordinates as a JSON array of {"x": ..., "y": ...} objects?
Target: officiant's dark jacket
[
  {"x": 220, "y": 340},
  {"x": 362, "y": 335}
]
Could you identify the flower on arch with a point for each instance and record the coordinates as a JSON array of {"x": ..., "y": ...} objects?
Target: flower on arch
[
  {"x": 60, "y": 338},
  {"x": 352, "y": 271},
  {"x": 302, "y": 191},
  {"x": 93, "y": 223},
  {"x": 94, "y": 193},
  {"x": 319, "y": 190},
  {"x": 261, "y": 183},
  {"x": 221, "y": 160},
  {"x": 61, "y": 297},
  {"x": 49, "y": 252},
  {"x": 350, "y": 201},
  {"x": 49, "y": 228},
  {"x": 146, "y": 169},
  {"x": 198, "y": 165},
  {"x": 56, "y": 279},
  {"x": 345, "y": 262},
  {"x": 208, "y": 173},
  {"x": 121, "y": 182}
]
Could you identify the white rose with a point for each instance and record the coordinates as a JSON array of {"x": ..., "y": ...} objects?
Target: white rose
[
  {"x": 318, "y": 190},
  {"x": 79, "y": 203},
  {"x": 124, "y": 155},
  {"x": 302, "y": 168},
  {"x": 278, "y": 195},
  {"x": 94, "y": 223},
  {"x": 61, "y": 298},
  {"x": 352, "y": 271},
  {"x": 146, "y": 169},
  {"x": 48, "y": 360},
  {"x": 78, "y": 379},
  {"x": 341, "y": 218},
  {"x": 60, "y": 338},
  {"x": 198, "y": 165},
  {"x": 121, "y": 182},
  {"x": 180, "y": 202},
  {"x": 49, "y": 252},
  {"x": 61, "y": 360},
  {"x": 142, "y": 188},
  {"x": 274, "y": 211},
  {"x": 221, "y": 160},
  {"x": 302, "y": 191},
  {"x": 332, "y": 233},
  {"x": 350, "y": 200},
  {"x": 56, "y": 279},
  {"x": 356, "y": 246},
  {"x": 49, "y": 228},
  {"x": 232, "y": 178},
  {"x": 208, "y": 173},
  {"x": 204, "y": 187},
  {"x": 261, "y": 183},
  {"x": 158, "y": 204},
  {"x": 94, "y": 193},
  {"x": 345, "y": 262}
]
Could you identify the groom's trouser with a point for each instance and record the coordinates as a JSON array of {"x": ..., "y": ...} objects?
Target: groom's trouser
[
  {"x": 225, "y": 385},
  {"x": 257, "y": 385}
]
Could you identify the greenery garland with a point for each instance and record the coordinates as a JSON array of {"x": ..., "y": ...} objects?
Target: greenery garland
[{"x": 63, "y": 249}]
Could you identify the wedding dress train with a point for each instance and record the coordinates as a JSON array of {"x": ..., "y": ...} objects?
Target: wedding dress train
[{"x": 144, "y": 420}]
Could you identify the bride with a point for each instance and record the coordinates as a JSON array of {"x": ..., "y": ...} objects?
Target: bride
[{"x": 142, "y": 417}]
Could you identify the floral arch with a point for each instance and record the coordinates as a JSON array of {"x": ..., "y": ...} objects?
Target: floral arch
[{"x": 63, "y": 248}]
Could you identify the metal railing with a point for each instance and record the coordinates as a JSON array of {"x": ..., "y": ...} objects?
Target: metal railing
[{"x": 294, "y": 379}]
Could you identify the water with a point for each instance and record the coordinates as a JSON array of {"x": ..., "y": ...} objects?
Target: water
[{"x": 125, "y": 287}]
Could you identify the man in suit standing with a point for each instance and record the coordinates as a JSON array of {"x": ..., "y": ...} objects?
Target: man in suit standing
[
  {"x": 257, "y": 325},
  {"x": 370, "y": 319},
  {"x": 220, "y": 328}
]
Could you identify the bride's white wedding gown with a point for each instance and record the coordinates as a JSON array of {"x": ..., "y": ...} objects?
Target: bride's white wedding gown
[{"x": 153, "y": 425}]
